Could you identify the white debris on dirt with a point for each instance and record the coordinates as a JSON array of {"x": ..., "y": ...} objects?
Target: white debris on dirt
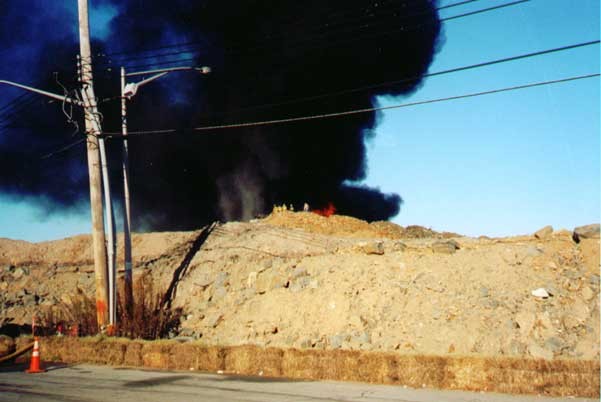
[{"x": 541, "y": 293}]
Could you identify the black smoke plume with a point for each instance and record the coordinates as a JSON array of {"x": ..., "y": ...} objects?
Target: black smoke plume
[{"x": 270, "y": 60}]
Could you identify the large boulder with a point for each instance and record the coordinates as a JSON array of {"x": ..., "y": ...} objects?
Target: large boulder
[
  {"x": 445, "y": 246},
  {"x": 586, "y": 232},
  {"x": 7, "y": 345},
  {"x": 544, "y": 233}
]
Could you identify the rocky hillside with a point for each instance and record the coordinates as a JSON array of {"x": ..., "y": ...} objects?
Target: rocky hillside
[{"x": 305, "y": 281}]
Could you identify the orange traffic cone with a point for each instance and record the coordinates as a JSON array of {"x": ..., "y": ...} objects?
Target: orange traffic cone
[{"x": 34, "y": 366}]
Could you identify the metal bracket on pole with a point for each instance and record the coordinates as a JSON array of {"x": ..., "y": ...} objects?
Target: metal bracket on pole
[{"x": 61, "y": 98}]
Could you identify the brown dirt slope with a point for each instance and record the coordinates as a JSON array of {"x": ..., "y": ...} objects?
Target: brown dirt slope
[
  {"x": 347, "y": 226},
  {"x": 298, "y": 280}
]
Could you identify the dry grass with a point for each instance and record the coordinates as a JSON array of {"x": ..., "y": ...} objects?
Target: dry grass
[
  {"x": 81, "y": 312},
  {"x": 148, "y": 318},
  {"x": 493, "y": 374}
]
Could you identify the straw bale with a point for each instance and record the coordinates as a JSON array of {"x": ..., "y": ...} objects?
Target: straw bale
[{"x": 473, "y": 373}]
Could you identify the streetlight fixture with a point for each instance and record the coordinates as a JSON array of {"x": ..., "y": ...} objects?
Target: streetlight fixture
[{"x": 128, "y": 91}]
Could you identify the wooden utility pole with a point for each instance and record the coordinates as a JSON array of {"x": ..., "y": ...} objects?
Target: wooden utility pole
[
  {"x": 93, "y": 129},
  {"x": 128, "y": 289}
]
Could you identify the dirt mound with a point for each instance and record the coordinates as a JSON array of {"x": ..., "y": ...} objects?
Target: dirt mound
[
  {"x": 77, "y": 250},
  {"x": 346, "y": 226},
  {"x": 299, "y": 280}
]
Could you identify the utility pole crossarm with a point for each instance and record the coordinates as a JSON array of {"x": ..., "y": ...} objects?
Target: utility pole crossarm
[{"x": 62, "y": 98}]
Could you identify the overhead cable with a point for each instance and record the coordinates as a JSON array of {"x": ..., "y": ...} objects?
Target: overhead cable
[
  {"x": 365, "y": 110},
  {"x": 427, "y": 75},
  {"x": 313, "y": 39},
  {"x": 204, "y": 42}
]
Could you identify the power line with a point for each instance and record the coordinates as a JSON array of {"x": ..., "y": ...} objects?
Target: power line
[
  {"x": 461, "y": 3},
  {"x": 17, "y": 104},
  {"x": 115, "y": 134},
  {"x": 414, "y": 28},
  {"x": 205, "y": 42},
  {"x": 365, "y": 110},
  {"x": 171, "y": 62},
  {"x": 156, "y": 64},
  {"x": 169, "y": 46},
  {"x": 427, "y": 75},
  {"x": 17, "y": 112},
  {"x": 151, "y": 56},
  {"x": 63, "y": 149},
  {"x": 377, "y": 8},
  {"x": 339, "y": 42},
  {"x": 351, "y": 31},
  {"x": 316, "y": 38},
  {"x": 21, "y": 98},
  {"x": 484, "y": 10},
  {"x": 448, "y": 71},
  {"x": 15, "y": 108},
  {"x": 344, "y": 27}
]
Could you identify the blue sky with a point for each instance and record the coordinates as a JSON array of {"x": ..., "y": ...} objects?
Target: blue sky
[
  {"x": 508, "y": 163},
  {"x": 22, "y": 219},
  {"x": 495, "y": 165}
]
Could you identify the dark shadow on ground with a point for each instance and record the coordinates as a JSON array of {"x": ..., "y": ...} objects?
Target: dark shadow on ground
[
  {"x": 9, "y": 367},
  {"x": 156, "y": 381},
  {"x": 260, "y": 379},
  {"x": 22, "y": 366}
]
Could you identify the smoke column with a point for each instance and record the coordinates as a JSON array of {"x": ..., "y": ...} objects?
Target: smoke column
[{"x": 265, "y": 56}]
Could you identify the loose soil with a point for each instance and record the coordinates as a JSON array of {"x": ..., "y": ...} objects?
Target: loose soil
[{"x": 299, "y": 280}]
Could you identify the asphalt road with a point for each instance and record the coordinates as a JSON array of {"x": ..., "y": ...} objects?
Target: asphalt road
[{"x": 99, "y": 383}]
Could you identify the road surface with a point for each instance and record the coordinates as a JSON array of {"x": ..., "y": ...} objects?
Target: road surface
[{"x": 100, "y": 383}]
